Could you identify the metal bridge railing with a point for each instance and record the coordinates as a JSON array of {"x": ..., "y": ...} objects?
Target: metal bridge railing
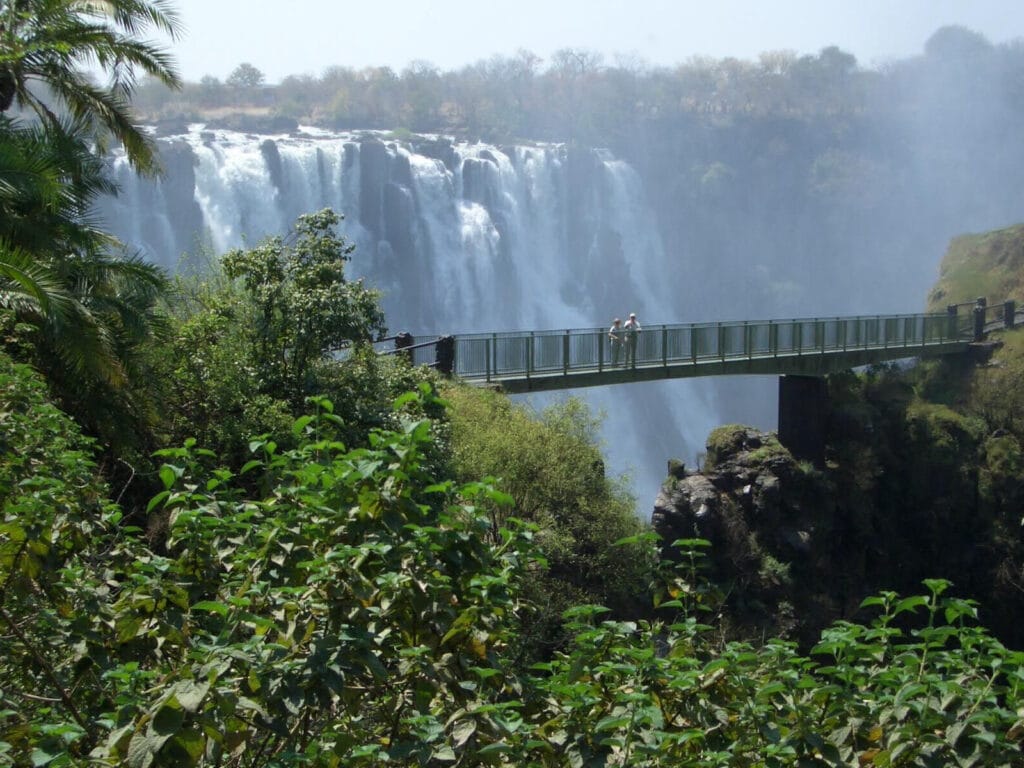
[
  {"x": 492, "y": 356},
  {"x": 504, "y": 356}
]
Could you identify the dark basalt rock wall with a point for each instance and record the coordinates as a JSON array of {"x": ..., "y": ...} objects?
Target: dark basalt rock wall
[
  {"x": 177, "y": 186},
  {"x": 771, "y": 524}
]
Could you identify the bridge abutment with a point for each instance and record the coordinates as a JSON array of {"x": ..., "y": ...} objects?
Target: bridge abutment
[{"x": 803, "y": 409}]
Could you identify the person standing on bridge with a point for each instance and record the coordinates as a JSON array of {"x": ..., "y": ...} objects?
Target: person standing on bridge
[
  {"x": 632, "y": 329},
  {"x": 615, "y": 339}
]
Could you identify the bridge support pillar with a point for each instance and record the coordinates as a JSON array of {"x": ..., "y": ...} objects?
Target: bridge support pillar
[{"x": 803, "y": 409}]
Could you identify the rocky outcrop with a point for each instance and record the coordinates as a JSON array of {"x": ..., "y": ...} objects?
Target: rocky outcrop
[
  {"x": 439, "y": 148},
  {"x": 272, "y": 158},
  {"x": 172, "y": 215},
  {"x": 770, "y": 522},
  {"x": 373, "y": 175}
]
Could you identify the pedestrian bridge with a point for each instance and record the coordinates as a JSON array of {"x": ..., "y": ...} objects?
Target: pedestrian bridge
[{"x": 541, "y": 360}]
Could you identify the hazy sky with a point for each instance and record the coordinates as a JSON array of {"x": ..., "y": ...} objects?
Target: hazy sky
[{"x": 306, "y": 36}]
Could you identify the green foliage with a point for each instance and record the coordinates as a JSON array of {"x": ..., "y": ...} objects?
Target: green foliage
[
  {"x": 989, "y": 265},
  {"x": 551, "y": 467},
  {"x": 944, "y": 433},
  {"x": 301, "y": 306},
  {"x": 659, "y": 694},
  {"x": 246, "y": 76},
  {"x": 53, "y": 517},
  {"x": 48, "y": 48},
  {"x": 346, "y": 614},
  {"x": 74, "y": 307},
  {"x": 40, "y": 445},
  {"x": 72, "y": 303},
  {"x": 926, "y": 468},
  {"x": 1001, "y": 481},
  {"x": 356, "y": 611},
  {"x": 257, "y": 338},
  {"x": 730, "y": 439},
  {"x": 994, "y": 392}
]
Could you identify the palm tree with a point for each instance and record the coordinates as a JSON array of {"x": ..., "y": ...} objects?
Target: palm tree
[
  {"x": 79, "y": 313},
  {"x": 82, "y": 314},
  {"x": 47, "y": 47},
  {"x": 31, "y": 190}
]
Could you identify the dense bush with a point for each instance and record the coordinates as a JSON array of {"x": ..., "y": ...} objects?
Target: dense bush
[
  {"x": 257, "y": 332},
  {"x": 356, "y": 611},
  {"x": 550, "y": 464}
]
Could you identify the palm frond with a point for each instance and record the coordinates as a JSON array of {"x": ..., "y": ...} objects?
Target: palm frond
[{"x": 29, "y": 287}]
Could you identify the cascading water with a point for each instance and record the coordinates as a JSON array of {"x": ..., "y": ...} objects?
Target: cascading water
[{"x": 459, "y": 237}]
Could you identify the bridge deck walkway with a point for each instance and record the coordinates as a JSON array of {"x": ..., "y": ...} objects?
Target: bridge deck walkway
[
  {"x": 560, "y": 359},
  {"x": 802, "y": 363},
  {"x": 526, "y": 361}
]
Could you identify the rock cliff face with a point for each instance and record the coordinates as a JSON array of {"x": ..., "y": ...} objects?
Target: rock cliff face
[
  {"x": 772, "y": 526},
  {"x": 911, "y": 490}
]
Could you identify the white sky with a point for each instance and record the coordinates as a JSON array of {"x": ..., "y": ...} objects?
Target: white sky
[{"x": 306, "y": 36}]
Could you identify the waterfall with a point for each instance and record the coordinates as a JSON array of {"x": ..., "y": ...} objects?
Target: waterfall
[{"x": 459, "y": 237}]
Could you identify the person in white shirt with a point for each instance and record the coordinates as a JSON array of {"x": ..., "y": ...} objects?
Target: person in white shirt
[
  {"x": 632, "y": 329},
  {"x": 615, "y": 339}
]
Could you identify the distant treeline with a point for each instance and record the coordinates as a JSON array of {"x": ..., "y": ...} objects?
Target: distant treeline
[{"x": 579, "y": 96}]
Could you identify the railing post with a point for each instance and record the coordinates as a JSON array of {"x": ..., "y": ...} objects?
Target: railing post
[
  {"x": 746, "y": 340},
  {"x": 798, "y": 337},
  {"x": 1009, "y": 313},
  {"x": 721, "y": 342},
  {"x": 773, "y": 338},
  {"x": 565, "y": 353},
  {"x": 693, "y": 344},
  {"x": 600, "y": 349},
  {"x": 529, "y": 355},
  {"x": 487, "y": 356},
  {"x": 494, "y": 353},
  {"x": 664, "y": 345}
]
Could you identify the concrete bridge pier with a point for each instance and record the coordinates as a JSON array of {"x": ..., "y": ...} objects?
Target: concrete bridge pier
[{"x": 803, "y": 409}]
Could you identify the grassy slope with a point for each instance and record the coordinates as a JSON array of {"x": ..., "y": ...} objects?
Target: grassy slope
[{"x": 989, "y": 264}]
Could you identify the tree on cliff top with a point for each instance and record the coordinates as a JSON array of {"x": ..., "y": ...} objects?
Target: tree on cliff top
[{"x": 245, "y": 76}]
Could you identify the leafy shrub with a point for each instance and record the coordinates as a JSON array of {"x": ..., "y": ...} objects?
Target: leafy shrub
[
  {"x": 550, "y": 465},
  {"x": 356, "y": 611},
  {"x": 259, "y": 332},
  {"x": 337, "y": 618}
]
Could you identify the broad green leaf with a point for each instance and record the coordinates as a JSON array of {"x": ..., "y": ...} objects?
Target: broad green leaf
[
  {"x": 497, "y": 748},
  {"x": 189, "y": 743},
  {"x": 909, "y": 604},
  {"x": 462, "y": 731},
  {"x": 190, "y": 694},
  {"x": 250, "y": 465},
  {"x": 444, "y": 754},
  {"x": 611, "y": 723},
  {"x": 211, "y": 606},
  {"x": 168, "y": 720},
  {"x": 142, "y": 749}
]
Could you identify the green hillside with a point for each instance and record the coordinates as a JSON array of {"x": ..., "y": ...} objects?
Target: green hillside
[{"x": 990, "y": 264}]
